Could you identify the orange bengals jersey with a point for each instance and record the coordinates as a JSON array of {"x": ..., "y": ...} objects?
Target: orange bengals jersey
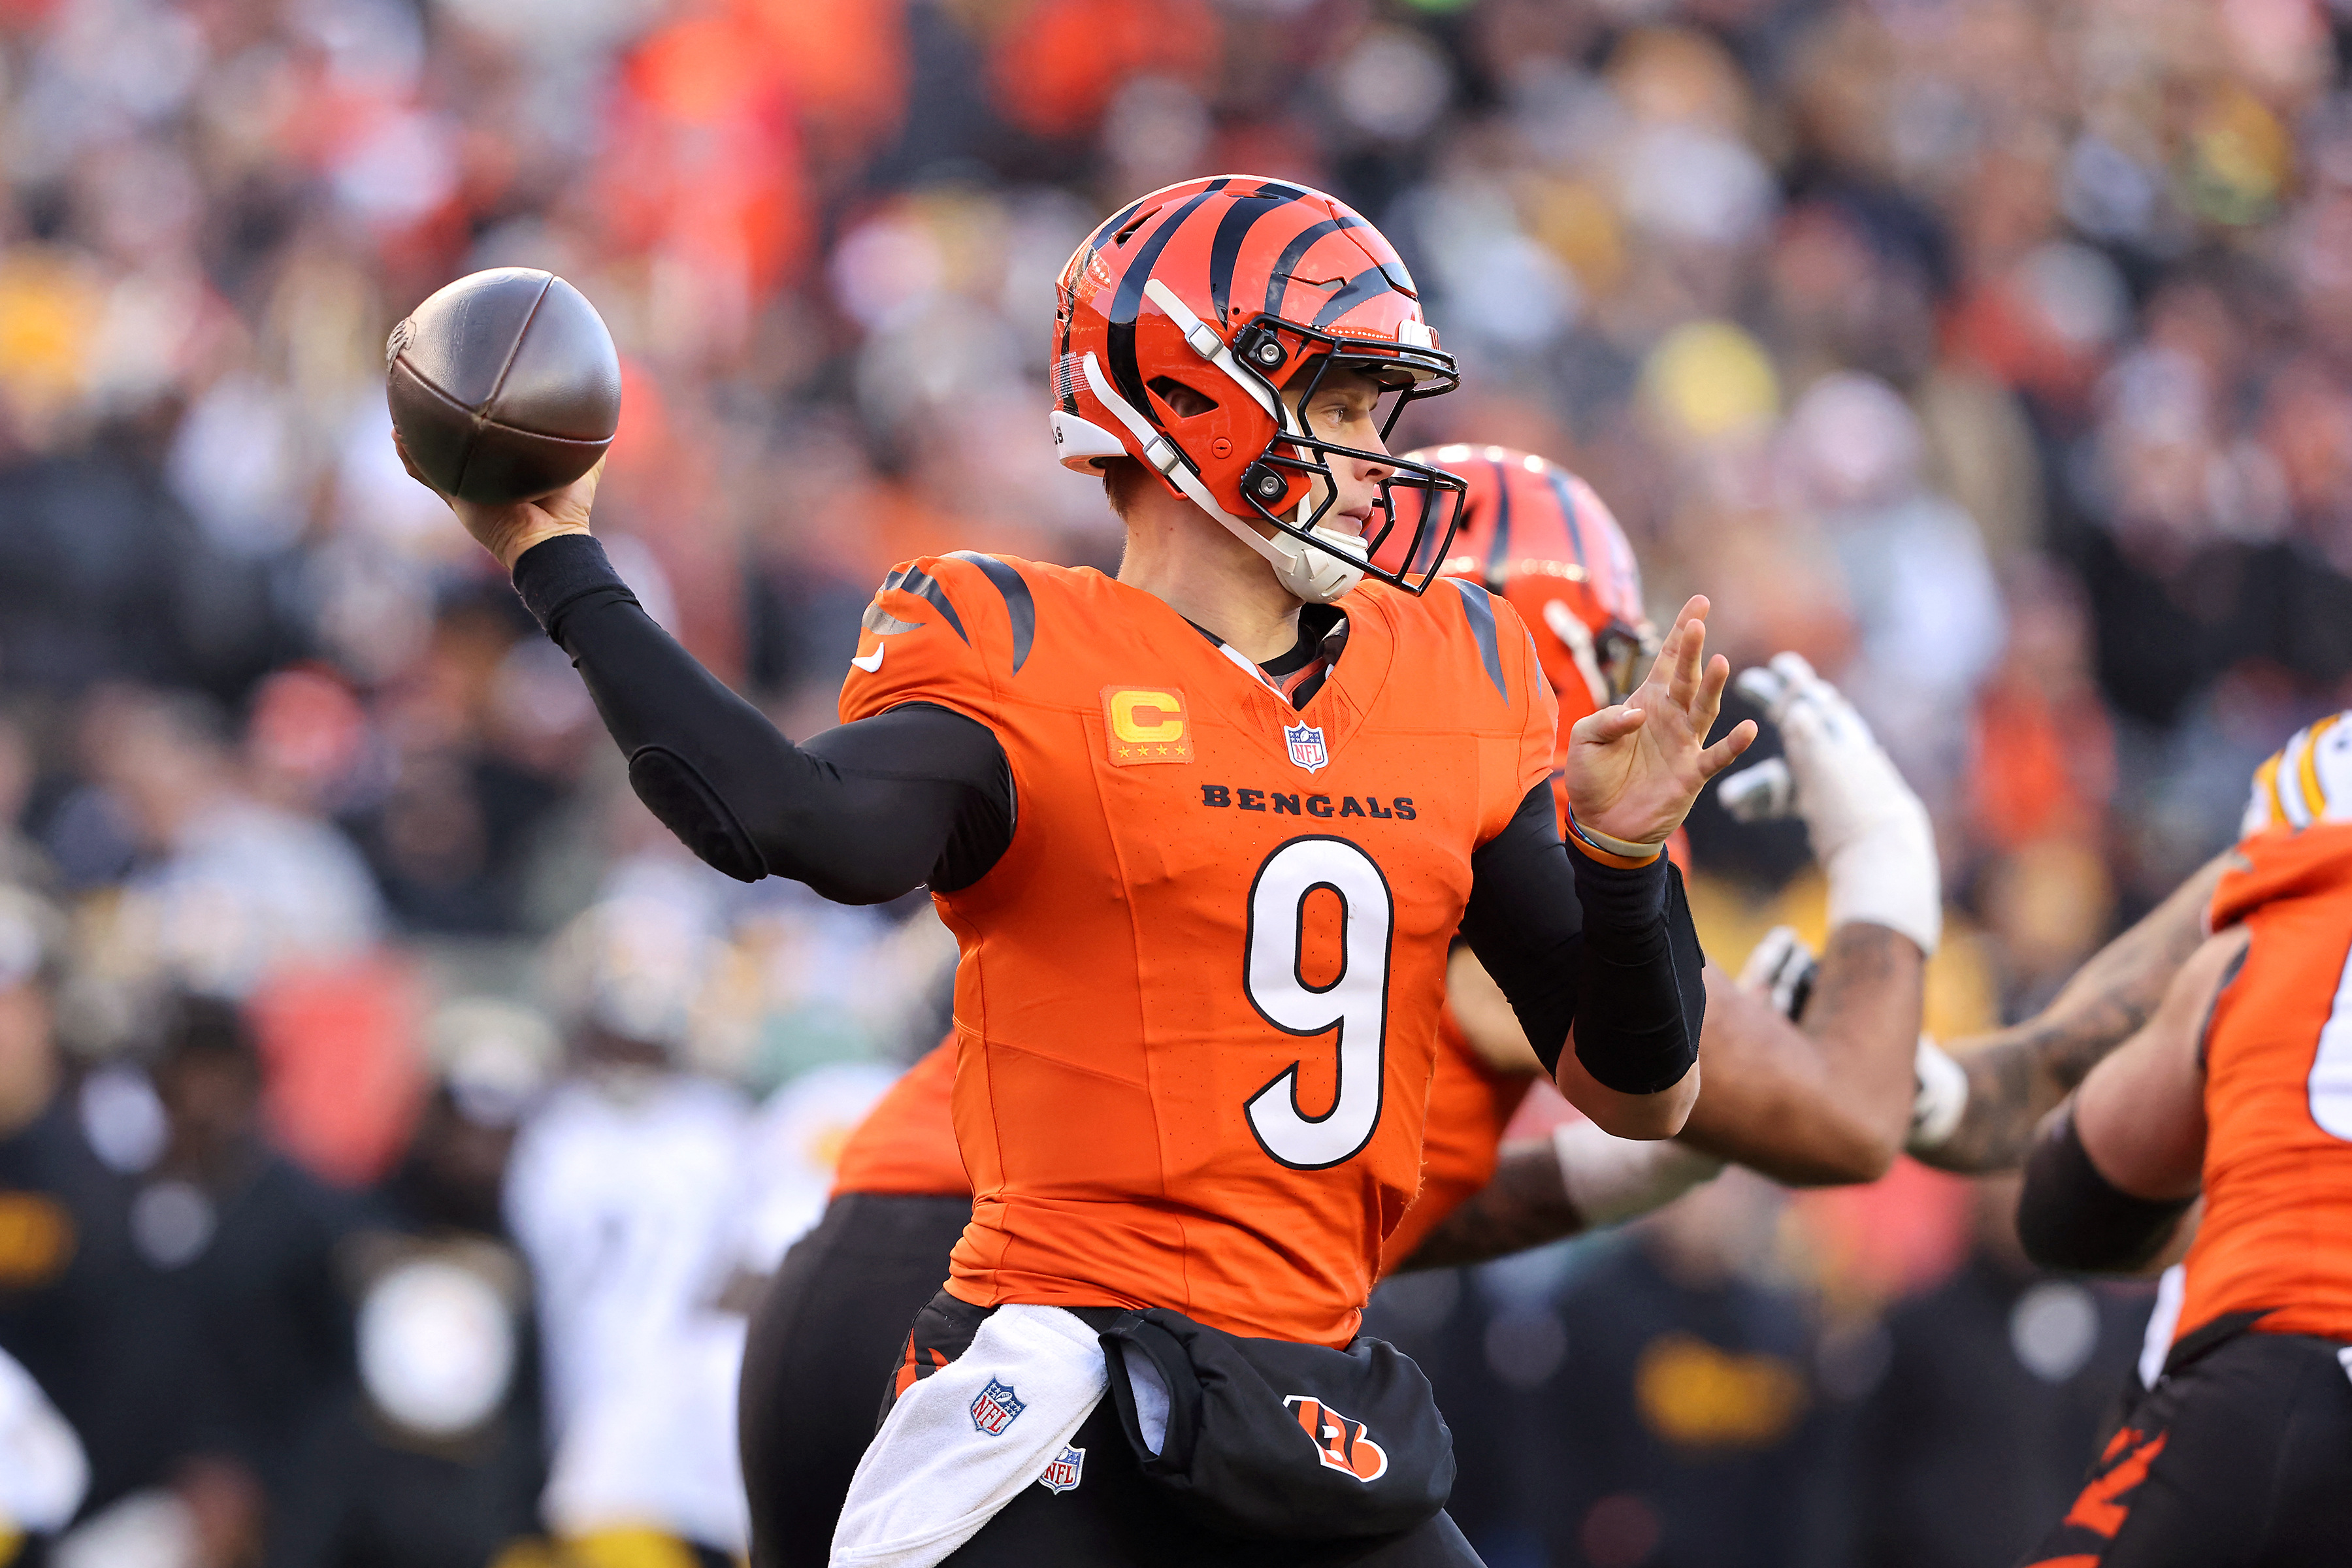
[
  {"x": 1197, "y": 1004},
  {"x": 2277, "y": 1237},
  {"x": 905, "y": 1146}
]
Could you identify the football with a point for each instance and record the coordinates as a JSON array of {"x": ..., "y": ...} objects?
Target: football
[{"x": 504, "y": 385}]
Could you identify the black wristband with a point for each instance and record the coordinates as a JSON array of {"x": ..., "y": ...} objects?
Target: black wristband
[
  {"x": 2069, "y": 1215},
  {"x": 555, "y": 574}
]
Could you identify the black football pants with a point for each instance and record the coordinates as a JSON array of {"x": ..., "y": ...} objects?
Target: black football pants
[
  {"x": 822, "y": 1343},
  {"x": 2240, "y": 1458}
]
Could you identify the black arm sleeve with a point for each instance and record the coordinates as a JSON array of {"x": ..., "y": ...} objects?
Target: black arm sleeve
[
  {"x": 862, "y": 813},
  {"x": 2069, "y": 1216},
  {"x": 1574, "y": 942}
]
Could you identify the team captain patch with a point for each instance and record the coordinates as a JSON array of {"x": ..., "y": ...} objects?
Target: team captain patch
[
  {"x": 1146, "y": 724},
  {"x": 996, "y": 1408}
]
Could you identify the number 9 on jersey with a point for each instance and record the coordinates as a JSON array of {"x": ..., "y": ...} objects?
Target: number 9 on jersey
[{"x": 1354, "y": 1003}]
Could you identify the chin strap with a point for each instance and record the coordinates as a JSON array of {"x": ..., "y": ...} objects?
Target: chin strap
[{"x": 1316, "y": 575}]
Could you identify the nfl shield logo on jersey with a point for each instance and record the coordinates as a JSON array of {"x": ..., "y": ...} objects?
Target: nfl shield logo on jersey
[
  {"x": 996, "y": 1408},
  {"x": 1306, "y": 742},
  {"x": 1064, "y": 1472}
]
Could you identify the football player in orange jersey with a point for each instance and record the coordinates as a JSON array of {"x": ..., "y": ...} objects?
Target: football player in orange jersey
[
  {"x": 1831, "y": 1107},
  {"x": 2238, "y": 1090},
  {"x": 1195, "y": 1039}
]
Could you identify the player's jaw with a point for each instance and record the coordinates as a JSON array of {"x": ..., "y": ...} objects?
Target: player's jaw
[{"x": 1340, "y": 407}]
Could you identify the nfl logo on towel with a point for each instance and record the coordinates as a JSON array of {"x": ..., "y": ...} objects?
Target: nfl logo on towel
[
  {"x": 996, "y": 1408},
  {"x": 1062, "y": 1473},
  {"x": 1306, "y": 746}
]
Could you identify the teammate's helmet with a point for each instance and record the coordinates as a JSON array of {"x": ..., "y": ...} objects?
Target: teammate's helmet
[
  {"x": 1537, "y": 534},
  {"x": 2308, "y": 780},
  {"x": 1235, "y": 288}
]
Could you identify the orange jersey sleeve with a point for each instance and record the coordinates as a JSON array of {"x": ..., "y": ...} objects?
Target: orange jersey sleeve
[
  {"x": 1470, "y": 1104},
  {"x": 907, "y": 1143},
  {"x": 2277, "y": 1237},
  {"x": 941, "y": 629}
]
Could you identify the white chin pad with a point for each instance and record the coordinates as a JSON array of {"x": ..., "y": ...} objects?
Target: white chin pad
[{"x": 1317, "y": 576}]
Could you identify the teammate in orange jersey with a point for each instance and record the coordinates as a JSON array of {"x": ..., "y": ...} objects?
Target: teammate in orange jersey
[
  {"x": 1829, "y": 1107},
  {"x": 1204, "y": 832},
  {"x": 2240, "y": 1089}
]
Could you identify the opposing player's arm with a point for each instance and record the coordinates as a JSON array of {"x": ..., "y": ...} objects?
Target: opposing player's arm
[
  {"x": 1545, "y": 1189},
  {"x": 2014, "y": 1077},
  {"x": 861, "y": 814},
  {"x": 1822, "y": 1104},
  {"x": 2113, "y": 1170}
]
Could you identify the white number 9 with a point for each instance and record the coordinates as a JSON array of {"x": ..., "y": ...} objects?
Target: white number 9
[{"x": 1355, "y": 1004}]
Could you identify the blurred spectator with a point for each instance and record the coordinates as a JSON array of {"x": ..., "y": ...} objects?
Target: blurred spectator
[
  {"x": 626, "y": 1194},
  {"x": 242, "y": 1245},
  {"x": 439, "y": 1457},
  {"x": 1996, "y": 1386}
]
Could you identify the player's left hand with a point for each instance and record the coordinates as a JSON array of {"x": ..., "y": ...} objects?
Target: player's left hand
[{"x": 1634, "y": 769}]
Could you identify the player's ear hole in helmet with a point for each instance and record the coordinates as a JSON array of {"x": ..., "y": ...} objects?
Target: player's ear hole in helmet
[{"x": 1251, "y": 292}]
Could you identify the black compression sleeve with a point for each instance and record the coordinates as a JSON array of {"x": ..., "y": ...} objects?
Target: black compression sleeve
[
  {"x": 1573, "y": 943},
  {"x": 862, "y": 813},
  {"x": 2069, "y": 1216}
]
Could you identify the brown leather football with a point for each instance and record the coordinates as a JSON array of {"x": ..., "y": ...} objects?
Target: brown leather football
[{"x": 504, "y": 385}]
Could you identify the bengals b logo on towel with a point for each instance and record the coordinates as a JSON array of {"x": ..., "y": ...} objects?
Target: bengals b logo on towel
[{"x": 1340, "y": 1442}]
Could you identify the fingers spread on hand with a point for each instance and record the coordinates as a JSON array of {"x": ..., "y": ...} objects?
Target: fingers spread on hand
[
  {"x": 1710, "y": 694},
  {"x": 1609, "y": 724},
  {"x": 1726, "y": 752}
]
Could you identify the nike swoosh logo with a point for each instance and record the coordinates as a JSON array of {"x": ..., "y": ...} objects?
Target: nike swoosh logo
[{"x": 872, "y": 661}]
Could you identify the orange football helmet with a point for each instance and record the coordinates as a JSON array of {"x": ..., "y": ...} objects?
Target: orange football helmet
[
  {"x": 1235, "y": 288},
  {"x": 1536, "y": 534}
]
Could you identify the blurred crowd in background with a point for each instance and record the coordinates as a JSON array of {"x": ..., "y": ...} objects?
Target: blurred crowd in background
[{"x": 392, "y": 1118}]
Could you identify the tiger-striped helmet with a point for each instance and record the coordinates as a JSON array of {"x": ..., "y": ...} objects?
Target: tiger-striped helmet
[
  {"x": 1537, "y": 535},
  {"x": 2309, "y": 780},
  {"x": 1237, "y": 288}
]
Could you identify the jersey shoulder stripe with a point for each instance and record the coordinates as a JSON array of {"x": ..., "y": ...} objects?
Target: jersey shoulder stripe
[
  {"x": 1019, "y": 605},
  {"x": 1480, "y": 607},
  {"x": 914, "y": 580}
]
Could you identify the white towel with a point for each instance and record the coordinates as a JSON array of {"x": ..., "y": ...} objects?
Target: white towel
[{"x": 961, "y": 1443}]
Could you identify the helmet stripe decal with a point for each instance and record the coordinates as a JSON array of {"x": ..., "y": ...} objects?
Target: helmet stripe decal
[
  {"x": 1020, "y": 607},
  {"x": 1120, "y": 334},
  {"x": 1225, "y": 250},
  {"x": 1571, "y": 511},
  {"x": 1278, "y": 279},
  {"x": 1085, "y": 259},
  {"x": 1498, "y": 554},
  {"x": 1480, "y": 609},
  {"x": 1357, "y": 289}
]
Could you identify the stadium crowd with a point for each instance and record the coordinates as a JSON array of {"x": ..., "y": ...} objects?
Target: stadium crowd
[{"x": 394, "y": 1119}]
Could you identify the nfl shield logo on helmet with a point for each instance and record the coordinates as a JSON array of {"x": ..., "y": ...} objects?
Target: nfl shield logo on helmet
[
  {"x": 1064, "y": 1472},
  {"x": 1306, "y": 742},
  {"x": 996, "y": 1408}
]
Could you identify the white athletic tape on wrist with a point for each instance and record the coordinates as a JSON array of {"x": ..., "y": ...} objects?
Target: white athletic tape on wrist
[
  {"x": 1610, "y": 1180},
  {"x": 1941, "y": 1100}
]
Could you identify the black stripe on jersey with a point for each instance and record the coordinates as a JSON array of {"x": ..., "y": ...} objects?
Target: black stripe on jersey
[
  {"x": 1294, "y": 252},
  {"x": 1019, "y": 607},
  {"x": 1481, "y": 611},
  {"x": 1354, "y": 292},
  {"x": 1124, "y": 369},
  {"x": 1498, "y": 557},
  {"x": 923, "y": 586},
  {"x": 1568, "y": 509},
  {"x": 1232, "y": 230}
]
